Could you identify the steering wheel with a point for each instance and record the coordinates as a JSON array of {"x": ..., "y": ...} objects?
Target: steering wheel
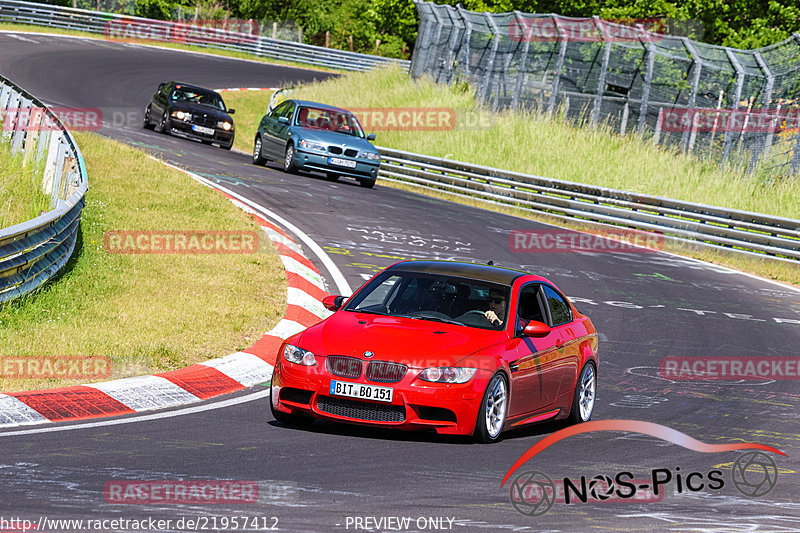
[{"x": 475, "y": 311}]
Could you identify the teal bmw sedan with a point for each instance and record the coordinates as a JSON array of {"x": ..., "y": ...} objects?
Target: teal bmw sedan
[{"x": 317, "y": 137}]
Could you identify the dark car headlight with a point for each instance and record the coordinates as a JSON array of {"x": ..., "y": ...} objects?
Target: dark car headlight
[
  {"x": 370, "y": 155},
  {"x": 447, "y": 374},
  {"x": 225, "y": 125},
  {"x": 298, "y": 356},
  {"x": 182, "y": 115}
]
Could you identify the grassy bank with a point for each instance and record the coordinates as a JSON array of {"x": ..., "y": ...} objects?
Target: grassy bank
[
  {"x": 536, "y": 144},
  {"x": 533, "y": 143},
  {"x": 21, "y": 196},
  {"x": 147, "y": 312}
]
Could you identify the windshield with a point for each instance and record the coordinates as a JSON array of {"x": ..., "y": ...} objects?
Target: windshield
[
  {"x": 206, "y": 98},
  {"x": 327, "y": 119},
  {"x": 439, "y": 298}
]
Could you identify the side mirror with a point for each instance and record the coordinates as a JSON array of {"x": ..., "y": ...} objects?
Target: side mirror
[
  {"x": 371, "y": 137},
  {"x": 231, "y": 111},
  {"x": 161, "y": 86},
  {"x": 536, "y": 329},
  {"x": 332, "y": 302},
  {"x": 283, "y": 120}
]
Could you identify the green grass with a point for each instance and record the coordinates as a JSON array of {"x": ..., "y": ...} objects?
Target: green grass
[
  {"x": 535, "y": 144},
  {"x": 175, "y": 46},
  {"x": 147, "y": 312},
  {"x": 21, "y": 196}
]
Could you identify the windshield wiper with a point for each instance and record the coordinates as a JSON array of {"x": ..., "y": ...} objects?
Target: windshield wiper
[{"x": 435, "y": 319}]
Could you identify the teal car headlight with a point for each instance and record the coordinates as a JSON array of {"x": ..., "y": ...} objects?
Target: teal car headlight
[
  {"x": 298, "y": 356},
  {"x": 313, "y": 145},
  {"x": 370, "y": 155}
]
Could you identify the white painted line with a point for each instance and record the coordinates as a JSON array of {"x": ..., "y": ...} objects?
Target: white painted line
[
  {"x": 285, "y": 329},
  {"x": 145, "y": 392},
  {"x": 290, "y": 264},
  {"x": 15, "y": 413},
  {"x": 341, "y": 283},
  {"x": 306, "y": 301},
  {"x": 243, "y": 367},
  {"x": 143, "y": 418}
]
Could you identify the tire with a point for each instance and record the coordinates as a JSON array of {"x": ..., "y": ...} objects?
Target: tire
[
  {"x": 368, "y": 184},
  {"x": 258, "y": 159},
  {"x": 147, "y": 124},
  {"x": 492, "y": 413},
  {"x": 163, "y": 125},
  {"x": 288, "y": 419},
  {"x": 584, "y": 396},
  {"x": 289, "y": 164}
]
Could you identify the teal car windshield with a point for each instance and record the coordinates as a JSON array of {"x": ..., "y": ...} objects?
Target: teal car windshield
[{"x": 328, "y": 120}]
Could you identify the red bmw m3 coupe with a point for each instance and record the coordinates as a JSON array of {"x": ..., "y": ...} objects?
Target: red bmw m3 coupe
[{"x": 459, "y": 348}]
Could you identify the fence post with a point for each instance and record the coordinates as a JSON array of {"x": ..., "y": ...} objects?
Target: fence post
[
  {"x": 562, "y": 51},
  {"x": 624, "y": 124},
  {"x": 697, "y": 67},
  {"x": 467, "y": 38},
  {"x": 657, "y": 133},
  {"x": 601, "y": 83},
  {"x": 796, "y": 155},
  {"x": 522, "y": 62},
  {"x": 490, "y": 64},
  {"x": 452, "y": 44},
  {"x": 648, "y": 80},
  {"x": 770, "y": 83}
]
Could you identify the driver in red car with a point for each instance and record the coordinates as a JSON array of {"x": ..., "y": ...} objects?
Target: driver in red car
[{"x": 497, "y": 308}]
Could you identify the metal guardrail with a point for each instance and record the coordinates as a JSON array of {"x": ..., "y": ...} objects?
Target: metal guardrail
[
  {"x": 127, "y": 28},
  {"x": 740, "y": 231},
  {"x": 34, "y": 251}
]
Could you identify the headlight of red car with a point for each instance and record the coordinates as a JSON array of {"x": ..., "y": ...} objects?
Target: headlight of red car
[
  {"x": 299, "y": 356},
  {"x": 447, "y": 374}
]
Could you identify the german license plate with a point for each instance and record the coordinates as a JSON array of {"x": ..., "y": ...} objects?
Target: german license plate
[
  {"x": 203, "y": 129},
  {"x": 364, "y": 392},
  {"x": 342, "y": 162}
]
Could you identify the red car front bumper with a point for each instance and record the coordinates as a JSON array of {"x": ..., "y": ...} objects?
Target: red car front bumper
[{"x": 448, "y": 408}]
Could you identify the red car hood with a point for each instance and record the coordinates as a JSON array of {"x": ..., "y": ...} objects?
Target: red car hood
[{"x": 416, "y": 343}]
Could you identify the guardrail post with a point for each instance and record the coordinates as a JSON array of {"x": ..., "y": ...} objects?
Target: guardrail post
[
  {"x": 9, "y": 122},
  {"x": 601, "y": 83},
  {"x": 21, "y": 127},
  {"x": 43, "y": 141},
  {"x": 58, "y": 176},
  {"x": 32, "y": 137},
  {"x": 54, "y": 142}
]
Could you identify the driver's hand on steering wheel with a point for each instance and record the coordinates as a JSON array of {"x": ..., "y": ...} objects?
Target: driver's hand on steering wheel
[{"x": 491, "y": 316}]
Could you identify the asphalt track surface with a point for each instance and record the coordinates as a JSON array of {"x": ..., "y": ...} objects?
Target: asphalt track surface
[{"x": 646, "y": 306}]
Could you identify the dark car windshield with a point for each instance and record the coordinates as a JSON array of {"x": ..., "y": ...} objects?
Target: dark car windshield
[
  {"x": 433, "y": 297},
  {"x": 327, "y": 119},
  {"x": 197, "y": 96}
]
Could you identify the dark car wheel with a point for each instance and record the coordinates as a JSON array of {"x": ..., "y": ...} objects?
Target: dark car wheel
[
  {"x": 583, "y": 399},
  {"x": 258, "y": 159},
  {"x": 289, "y": 164},
  {"x": 147, "y": 124},
  {"x": 287, "y": 418},
  {"x": 492, "y": 413},
  {"x": 163, "y": 125},
  {"x": 367, "y": 183}
]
